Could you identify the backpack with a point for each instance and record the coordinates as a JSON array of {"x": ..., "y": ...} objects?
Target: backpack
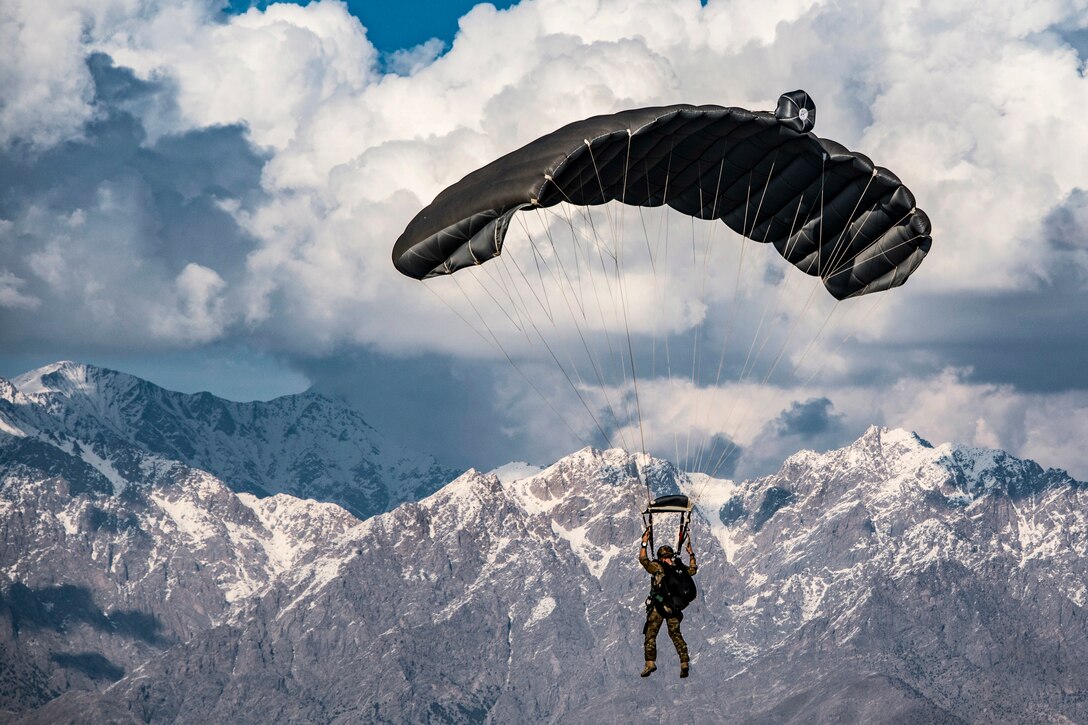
[{"x": 675, "y": 592}]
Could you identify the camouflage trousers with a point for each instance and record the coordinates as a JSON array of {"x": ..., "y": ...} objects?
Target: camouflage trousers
[{"x": 653, "y": 626}]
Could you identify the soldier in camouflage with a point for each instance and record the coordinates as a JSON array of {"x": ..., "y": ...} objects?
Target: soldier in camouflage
[{"x": 654, "y": 617}]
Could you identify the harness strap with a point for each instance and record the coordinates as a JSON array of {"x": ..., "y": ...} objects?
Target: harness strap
[
  {"x": 685, "y": 520},
  {"x": 648, "y": 522}
]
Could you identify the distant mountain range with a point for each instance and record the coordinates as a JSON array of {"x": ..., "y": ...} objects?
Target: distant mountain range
[
  {"x": 304, "y": 445},
  {"x": 148, "y": 575}
]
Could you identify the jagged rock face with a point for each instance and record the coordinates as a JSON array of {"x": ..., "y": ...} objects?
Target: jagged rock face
[
  {"x": 958, "y": 572},
  {"x": 889, "y": 581},
  {"x": 305, "y": 445},
  {"x": 94, "y": 584},
  {"x": 116, "y": 541},
  {"x": 451, "y": 609}
]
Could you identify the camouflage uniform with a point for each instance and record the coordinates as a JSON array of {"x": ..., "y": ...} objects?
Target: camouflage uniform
[{"x": 654, "y": 618}]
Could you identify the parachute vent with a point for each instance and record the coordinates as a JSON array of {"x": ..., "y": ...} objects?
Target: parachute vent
[{"x": 796, "y": 111}]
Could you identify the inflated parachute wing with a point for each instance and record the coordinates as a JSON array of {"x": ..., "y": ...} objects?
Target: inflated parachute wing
[{"x": 827, "y": 210}]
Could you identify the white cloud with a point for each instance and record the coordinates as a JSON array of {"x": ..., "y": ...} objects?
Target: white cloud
[
  {"x": 10, "y": 296},
  {"x": 959, "y": 113},
  {"x": 195, "y": 311},
  {"x": 47, "y": 89},
  {"x": 977, "y": 106},
  {"x": 43, "y": 75},
  {"x": 271, "y": 70},
  {"x": 966, "y": 139},
  {"x": 97, "y": 269},
  {"x": 409, "y": 60},
  {"x": 683, "y": 422}
]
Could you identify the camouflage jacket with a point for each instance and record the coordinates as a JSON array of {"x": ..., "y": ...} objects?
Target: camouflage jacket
[{"x": 657, "y": 571}]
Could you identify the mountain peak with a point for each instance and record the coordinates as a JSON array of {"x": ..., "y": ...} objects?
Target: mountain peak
[
  {"x": 877, "y": 444},
  {"x": 32, "y": 381},
  {"x": 64, "y": 376},
  {"x": 892, "y": 439},
  {"x": 885, "y": 467},
  {"x": 8, "y": 391}
]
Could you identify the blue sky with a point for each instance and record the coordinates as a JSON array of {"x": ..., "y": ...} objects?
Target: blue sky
[
  {"x": 206, "y": 197},
  {"x": 393, "y": 26}
]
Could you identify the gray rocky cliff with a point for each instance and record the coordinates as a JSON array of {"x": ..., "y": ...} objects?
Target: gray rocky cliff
[
  {"x": 112, "y": 551},
  {"x": 887, "y": 581}
]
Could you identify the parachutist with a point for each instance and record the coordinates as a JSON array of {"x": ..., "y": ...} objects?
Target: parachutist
[
  {"x": 572, "y": 291},
  {"x": 671, "y": 589}
]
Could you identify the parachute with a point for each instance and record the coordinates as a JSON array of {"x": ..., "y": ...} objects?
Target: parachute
[
  {"x": 615, "y": 315},
  {"x": 828, "y": 211}
]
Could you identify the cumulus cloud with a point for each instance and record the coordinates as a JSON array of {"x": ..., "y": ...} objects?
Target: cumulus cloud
[
  {"x": 103, "y": 233},
  {"x": 43, "y": 73},
  {"x": 188, "y": 177},
  {"x": 272, "y": 70},
  {"x": 1066, "y": 228},
  {"x": 407, "y": 61},
  {"x": 746, "y": 430},
  {"x": 194, "y": 309}
]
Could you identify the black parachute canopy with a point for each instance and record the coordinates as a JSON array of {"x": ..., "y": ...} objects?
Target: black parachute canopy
[
  {"x": 669, "y": 503},
  {"x": 827, "y": 210}
]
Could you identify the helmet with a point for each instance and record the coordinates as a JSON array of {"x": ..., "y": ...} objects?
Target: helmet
[{"x": 665, "y": 551}]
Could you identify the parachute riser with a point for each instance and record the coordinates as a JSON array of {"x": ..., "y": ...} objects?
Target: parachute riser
[
  {"x": 669, "y": 504},
  {"x": 685, "y": 521},
  {"x": 648, "y": 523}
]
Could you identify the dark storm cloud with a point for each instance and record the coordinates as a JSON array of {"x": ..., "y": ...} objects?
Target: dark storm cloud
[
  {"x": 805, "y": 420},
  {"x": 810, "y": 424},
  {"x": 440, "y": 405},
  {"x": 114, "y": 217},
  {"x": 1034, "y": 340},
  {"x": 450, "y": 409},
  {"x": 720, "y": 459},
  {"x": 1066, "y": 230}
]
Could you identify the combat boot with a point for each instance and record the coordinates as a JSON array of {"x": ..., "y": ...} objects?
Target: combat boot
[{"x": 650, "y": 667}]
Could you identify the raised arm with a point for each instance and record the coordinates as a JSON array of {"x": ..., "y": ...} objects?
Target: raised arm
[{"x": 643, "y": 556}]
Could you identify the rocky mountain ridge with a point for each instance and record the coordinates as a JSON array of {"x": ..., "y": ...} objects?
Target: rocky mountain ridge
[
  {"x": 304, "y": 445},
  {"x": 887, "y": 581}
]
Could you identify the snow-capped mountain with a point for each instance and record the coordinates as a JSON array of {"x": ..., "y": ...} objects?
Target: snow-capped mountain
[
  {"x": 123, "y": 427},
  {"x": 133, "y": 518},
  {"x": 93, "y": 583},
  {"x": 888, "y": 581}
]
